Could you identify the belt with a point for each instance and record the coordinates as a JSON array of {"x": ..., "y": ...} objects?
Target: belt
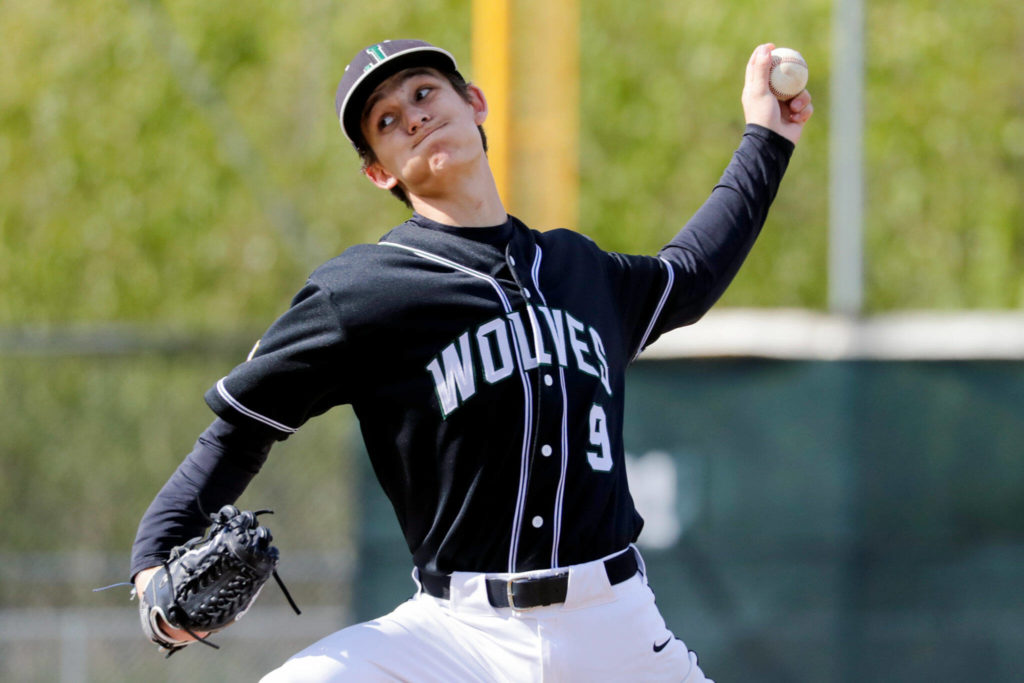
[{"x": 527, "y": 592}]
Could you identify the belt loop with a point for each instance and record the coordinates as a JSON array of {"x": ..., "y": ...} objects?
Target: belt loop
[
  {"x": 416, "y": 579},
  {"x": 639, "y": 561}
]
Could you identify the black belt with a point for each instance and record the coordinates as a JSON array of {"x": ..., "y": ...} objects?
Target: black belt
[{"x": 526, "y": 592}]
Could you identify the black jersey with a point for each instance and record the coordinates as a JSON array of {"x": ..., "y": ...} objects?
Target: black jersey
[{"x": 486, "y": 368}]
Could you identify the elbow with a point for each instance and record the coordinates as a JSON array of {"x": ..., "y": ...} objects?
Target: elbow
[
  {"x": 699, "y": 300},
  {"x": 686, "y": 316}
]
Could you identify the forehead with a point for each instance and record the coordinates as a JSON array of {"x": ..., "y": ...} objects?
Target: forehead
[{"x": 393, "y": 83}]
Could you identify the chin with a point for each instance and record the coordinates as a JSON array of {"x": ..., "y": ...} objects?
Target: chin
[
  {"x": 444, "y": 159},
  {"x": 440, "y": 162}
]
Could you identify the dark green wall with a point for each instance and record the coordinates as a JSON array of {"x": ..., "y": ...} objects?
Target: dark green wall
[{"x": 830, "y": 521}]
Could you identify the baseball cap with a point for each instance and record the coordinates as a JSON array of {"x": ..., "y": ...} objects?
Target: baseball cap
[{"x": 375, "y": 64}]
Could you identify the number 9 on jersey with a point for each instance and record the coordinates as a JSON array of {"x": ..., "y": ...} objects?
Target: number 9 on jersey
[{"x": 601, "y": 459}]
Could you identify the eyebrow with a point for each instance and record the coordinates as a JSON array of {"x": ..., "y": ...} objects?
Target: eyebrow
[{"x": 405, "y": 75}]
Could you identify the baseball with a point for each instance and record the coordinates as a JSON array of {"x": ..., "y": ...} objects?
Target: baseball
[{"x": 788, "y": 76}]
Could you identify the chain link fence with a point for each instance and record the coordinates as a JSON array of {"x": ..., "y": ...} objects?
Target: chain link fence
[{"x": 93, "y": 423}]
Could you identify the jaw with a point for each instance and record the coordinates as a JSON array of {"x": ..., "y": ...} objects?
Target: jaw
[{"x": 440, "y": 163}]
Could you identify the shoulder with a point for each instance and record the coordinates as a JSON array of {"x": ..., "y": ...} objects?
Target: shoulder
[
  {"x": 359, "y": 265},
  {"x": 566, "y": 248},
  {"x": 372, "y": 284},
  {"x": 564, "y": 235},
  {"x": 566, "y": 240}
]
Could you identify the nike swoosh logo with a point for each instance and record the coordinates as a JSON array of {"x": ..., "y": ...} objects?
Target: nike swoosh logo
[{"x": 659, "y": 648}]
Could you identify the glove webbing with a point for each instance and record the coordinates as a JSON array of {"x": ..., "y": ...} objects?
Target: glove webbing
[{"x": 177, "y": 605}]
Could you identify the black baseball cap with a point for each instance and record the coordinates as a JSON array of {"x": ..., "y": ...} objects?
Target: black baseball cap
[{"x": 375, "y": 64}]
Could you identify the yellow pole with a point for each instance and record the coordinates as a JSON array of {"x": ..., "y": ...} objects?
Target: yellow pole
[
  {"x": 491, "y": 71},
  {"x": 554, "y": 143},
  {"x": 545, "y": 127}
]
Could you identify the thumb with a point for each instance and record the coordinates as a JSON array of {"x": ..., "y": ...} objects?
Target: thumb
[
  {"x": 759, "y": 68},
  {"x": 759, "y": 105}
]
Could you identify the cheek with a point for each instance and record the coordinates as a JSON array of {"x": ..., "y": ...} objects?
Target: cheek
[
  {"x": 388, "y": 158},
  {"x": 415, "y": 169}
]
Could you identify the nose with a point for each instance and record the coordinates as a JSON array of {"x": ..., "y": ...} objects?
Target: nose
[{"x": 416, "y": 118}]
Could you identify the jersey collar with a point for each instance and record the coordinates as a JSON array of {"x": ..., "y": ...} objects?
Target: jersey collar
[{"x": 482, "y": 249}]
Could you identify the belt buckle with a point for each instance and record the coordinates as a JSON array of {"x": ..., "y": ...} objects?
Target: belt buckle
[
  {"x": 511, "y": 583},
  {"x": 511, "y": 598}
]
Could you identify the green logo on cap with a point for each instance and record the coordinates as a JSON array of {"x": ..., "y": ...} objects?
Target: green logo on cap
[{"x": 377, "y": 52}]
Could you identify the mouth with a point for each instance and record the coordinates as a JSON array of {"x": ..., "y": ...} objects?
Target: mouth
[{"x": 428, "y": 134}]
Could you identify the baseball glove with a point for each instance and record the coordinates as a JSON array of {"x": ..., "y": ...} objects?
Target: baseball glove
[{"x": 211, "y": 581}]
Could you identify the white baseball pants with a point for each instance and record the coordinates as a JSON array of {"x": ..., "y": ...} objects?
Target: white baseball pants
[{"x": 601, "y": 633}]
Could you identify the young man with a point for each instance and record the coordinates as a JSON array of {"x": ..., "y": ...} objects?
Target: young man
[{"x": 485, "y": 362}]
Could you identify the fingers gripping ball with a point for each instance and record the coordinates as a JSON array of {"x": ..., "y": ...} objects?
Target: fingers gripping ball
[
  {"x": 211, "y": 581},
  {"x": 788, "y": 76}
]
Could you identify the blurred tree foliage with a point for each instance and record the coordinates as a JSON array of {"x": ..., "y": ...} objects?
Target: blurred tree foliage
[
  {"x": 180, "y": 162},
  {"x": 946, "y": 152}
]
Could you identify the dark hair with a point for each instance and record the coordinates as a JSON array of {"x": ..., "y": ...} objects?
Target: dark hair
[{"x": 367, "y": 156}]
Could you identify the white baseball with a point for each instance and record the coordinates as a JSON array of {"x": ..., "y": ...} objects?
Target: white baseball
[{"x": 788, "y": 76}]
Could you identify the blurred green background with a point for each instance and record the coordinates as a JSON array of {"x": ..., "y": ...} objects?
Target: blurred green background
[
  {"x": 179, "y": 162},
  {"x": 170, "y": 172}
]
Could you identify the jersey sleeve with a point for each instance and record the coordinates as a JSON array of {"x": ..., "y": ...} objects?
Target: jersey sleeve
[
  {"x": 298, "y": 369},
  {"x": 223, "y": 461},
  {"x": 694, "y": 269}
]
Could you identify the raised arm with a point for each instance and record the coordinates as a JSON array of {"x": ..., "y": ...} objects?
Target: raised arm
[{"x": 706, "y": 254}]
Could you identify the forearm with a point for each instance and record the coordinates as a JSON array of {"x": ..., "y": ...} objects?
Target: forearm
[
  {"x": 222, "y": 463},
  {"x": 709, "y": 250}
]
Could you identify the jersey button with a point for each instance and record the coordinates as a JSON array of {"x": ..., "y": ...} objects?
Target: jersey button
[
  {"x": 545, "y": 450},
  {"x": 548, "y": 381},
  {"x": 526, "y": 293},
  {"x": 538, "y": 522},
  {"x": 511, "y": 260}
]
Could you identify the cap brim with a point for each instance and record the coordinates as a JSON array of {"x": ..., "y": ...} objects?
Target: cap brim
[{"x": 351, "y": 109}]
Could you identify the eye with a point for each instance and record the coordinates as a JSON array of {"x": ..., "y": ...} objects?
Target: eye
[
  {"x": 422, "y": 92},
  {"x": 385, "y": 121}
]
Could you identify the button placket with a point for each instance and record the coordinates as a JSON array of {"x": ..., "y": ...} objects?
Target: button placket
[{"x": 542, "y": 492}]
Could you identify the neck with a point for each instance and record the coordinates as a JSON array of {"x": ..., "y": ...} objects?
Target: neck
[{"x": 472, "y": 202}]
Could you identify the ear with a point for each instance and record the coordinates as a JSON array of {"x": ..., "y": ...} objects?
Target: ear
[
  {"x": 379, "y": 176},
  {"x": 478, "y": 102}
]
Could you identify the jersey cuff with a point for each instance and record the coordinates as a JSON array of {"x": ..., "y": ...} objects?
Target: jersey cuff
[
  {"x": 226, "y": 406},
  {"x": 784, "y": 144}
]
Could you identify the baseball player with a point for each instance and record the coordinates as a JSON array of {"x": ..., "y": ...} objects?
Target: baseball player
[{"x": 485, "y": 362}]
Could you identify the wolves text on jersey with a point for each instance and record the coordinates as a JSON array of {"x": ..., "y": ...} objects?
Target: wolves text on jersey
[{"x": 493, "y": 350}]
